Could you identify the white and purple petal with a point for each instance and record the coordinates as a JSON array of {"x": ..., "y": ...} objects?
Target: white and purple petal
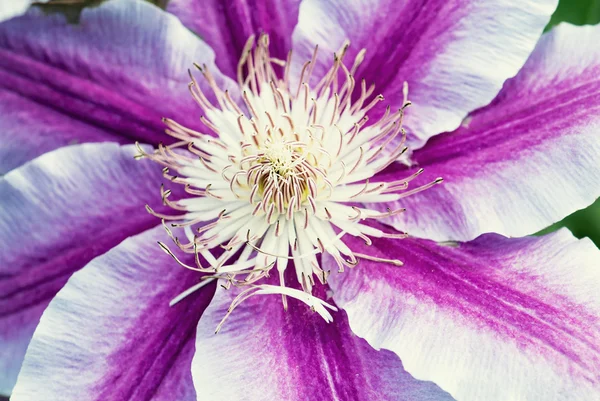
[
  {"x": 524, "y": 162},
  {"x": 226, "y": 25},
  {"x": 114, "y": 74},
  {"x": 29, "y": 129},
  {"x": 59, "y": 211},
  {"x": 493, "y": 319},
  {"x": 266, "y": 353},
  {"x": 110, "y": 333},
  {"x": 455, "y": 55}
]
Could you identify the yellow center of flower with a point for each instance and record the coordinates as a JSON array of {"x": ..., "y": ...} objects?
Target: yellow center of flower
[{"x": 280, "y": 178}]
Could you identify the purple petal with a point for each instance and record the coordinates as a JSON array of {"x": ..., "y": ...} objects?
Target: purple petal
[
  {"x": 29, "y": 129},
  {"x": 58, "y": 212},
  {"x": 455, "y": 55},
  {"x": 266, "y": 353},
  {"x": 493, "y": 319},
  {"x": 110, "y": 333},
  {"x": 114, "y": 74},
  {"x": 524, "y": 162},
  {"x": 227, "y": 25}
]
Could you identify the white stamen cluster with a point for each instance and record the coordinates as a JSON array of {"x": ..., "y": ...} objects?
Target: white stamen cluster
[{"x": 285, "y": 177}]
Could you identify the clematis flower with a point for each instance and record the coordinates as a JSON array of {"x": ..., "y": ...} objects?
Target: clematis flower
[{"x": 477, "y": 310}]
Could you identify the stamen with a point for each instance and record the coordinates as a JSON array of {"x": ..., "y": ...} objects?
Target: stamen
[
  {"x": 285, "y": 182},
  {"x": 394, "y": 262},
  {"x": 190, "y": 290}
]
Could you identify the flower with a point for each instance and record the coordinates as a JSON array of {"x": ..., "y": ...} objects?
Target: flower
[
  {"x": 481, "y": 315},
  {"x": 277, "y": 182}
]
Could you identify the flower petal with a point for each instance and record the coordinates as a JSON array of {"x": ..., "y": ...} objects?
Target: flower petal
[
  {"x": 524, "y": 162},
  {"x": 29, "y": 129},
  {"x": 14, "y": 8},
  {"x": 110, "y": 334},
  {"x": 455, "y": 55},
  {"x": 265, "y": 353},
  {"x": 493, "y": 319},
  {"x": 227, "y": 25},
  {"x": 114, "y": 74},
  {"x": 58, "y": 212}
]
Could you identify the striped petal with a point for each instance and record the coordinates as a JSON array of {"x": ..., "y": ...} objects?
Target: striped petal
[
  {"x": 493, "y": 319},
  {"x": 266, "y": 353},
  {"x": 110, "y": 77},
  {"x": 454, "y": 54},
  {"x": 524, "y": 162},
  {"x": 226, "y": 25},
  {"x": 110, "y": 334},
  {"x": 58, "y": 212}
]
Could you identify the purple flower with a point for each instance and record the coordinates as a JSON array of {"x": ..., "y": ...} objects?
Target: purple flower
[{"x": 481, "y": 315}]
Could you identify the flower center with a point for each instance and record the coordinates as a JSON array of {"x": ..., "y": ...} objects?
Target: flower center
[
  {"x": 281, "y": 158},
  {"x": 280, "y": 174}
]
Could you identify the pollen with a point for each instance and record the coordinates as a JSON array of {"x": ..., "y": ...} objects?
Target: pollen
[{"x": 279, "y": 175}]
